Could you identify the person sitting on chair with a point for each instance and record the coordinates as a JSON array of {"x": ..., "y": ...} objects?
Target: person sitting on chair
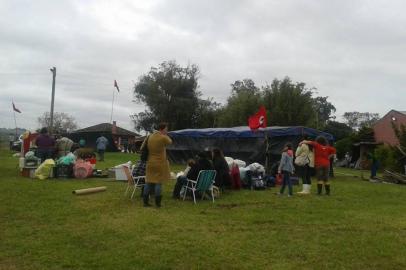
[
  {"x": 181, "y": 179},
  {"x": 202, "y": 163},
  {"x": 223, "y": 177}
]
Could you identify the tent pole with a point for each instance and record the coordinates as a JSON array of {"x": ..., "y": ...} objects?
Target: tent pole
[{"x": 267, "y": 159}]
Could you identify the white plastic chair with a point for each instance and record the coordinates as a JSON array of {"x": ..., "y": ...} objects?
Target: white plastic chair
[
  {"x": 203, "y": 183},
  {"x": 133, "y": 182}
]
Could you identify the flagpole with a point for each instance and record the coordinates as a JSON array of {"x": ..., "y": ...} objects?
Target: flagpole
[
  {"x": 15, "y": 122},
  {"x": 112, "y": 103}
]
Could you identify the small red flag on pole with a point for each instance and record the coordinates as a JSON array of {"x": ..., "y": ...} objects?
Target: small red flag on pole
[
  {"x": 15, "y": 109},
  {"x": 258, "y": 120},
  {"x": 116, "y": 86}
]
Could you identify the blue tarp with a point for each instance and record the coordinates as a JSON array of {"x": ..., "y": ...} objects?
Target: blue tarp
[
  {"x": 238, "y": 142},
  {"x": 245, "y": 132}
]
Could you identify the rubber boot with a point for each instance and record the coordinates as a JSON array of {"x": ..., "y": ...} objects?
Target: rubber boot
[
  {"x": 303, "y": 189},
  {"x": 319, "y": 188},
  {"x": 327, "y": 187},
  {"x": 158, "y": 201},
  {"x": 308, "y": 190},
  {"x": 146, "y": 200}
]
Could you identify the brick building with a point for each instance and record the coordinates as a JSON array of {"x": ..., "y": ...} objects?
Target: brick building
[{"x": 383, "y": 130}]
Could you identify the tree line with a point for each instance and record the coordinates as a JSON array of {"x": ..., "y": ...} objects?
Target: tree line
[{"x": 172, "y": 94}]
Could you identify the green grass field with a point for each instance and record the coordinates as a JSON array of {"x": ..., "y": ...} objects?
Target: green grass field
[{"x": 44, "y": 226}]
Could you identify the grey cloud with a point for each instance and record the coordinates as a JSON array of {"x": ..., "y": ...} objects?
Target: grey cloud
[{"x": 343, "y": 48}]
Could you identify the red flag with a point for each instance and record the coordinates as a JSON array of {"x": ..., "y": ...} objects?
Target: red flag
[
  {"x": 258, "y": 120},
  {"x": 15, "y": 109},
  {"x": 116, "y": 85}
]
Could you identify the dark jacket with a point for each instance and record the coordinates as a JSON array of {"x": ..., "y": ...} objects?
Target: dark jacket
[
  {"x": 201, "y": 164},
  {"x": 222, "y": 172},
  {"x": 44, "y": 141}
]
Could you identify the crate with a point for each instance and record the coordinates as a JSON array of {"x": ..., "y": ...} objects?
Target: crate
[
  {"x": 32, "y": 163},
  {"x": 64, "y": 171},
  {"x": 28, "y": 172}
]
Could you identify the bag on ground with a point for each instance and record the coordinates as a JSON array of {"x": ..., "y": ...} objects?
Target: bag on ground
[
  {"x": 82, "y": 169},
  {"x": 44, "y": 170}
]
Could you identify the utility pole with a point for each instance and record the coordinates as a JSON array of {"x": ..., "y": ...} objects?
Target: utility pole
[{"x": 53, "y": 70}]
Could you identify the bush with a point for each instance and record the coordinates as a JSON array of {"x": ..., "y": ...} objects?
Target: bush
[
  {"x": 343, "y": 146},
  {"x": 386, "y": 157}
]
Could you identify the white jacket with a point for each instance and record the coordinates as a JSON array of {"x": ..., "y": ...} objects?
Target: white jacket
[{"x": 303, "y": 152}]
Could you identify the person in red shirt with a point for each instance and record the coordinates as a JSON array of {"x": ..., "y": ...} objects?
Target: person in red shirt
[{"x": 322, "y": 154}]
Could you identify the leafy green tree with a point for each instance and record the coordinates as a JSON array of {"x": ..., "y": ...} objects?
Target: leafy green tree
[
  {"x": 346, "y": 144},
  {"x": 364, "y": 134},
  {"x": 244, "y": 101},
  {"x": 387, "y": 157},
  {"x": 144, "y": 121},
  {"x": 399, "y": 151},
  {"x": 171, "y": 94},
  {"x": 343, "y": 146},
  {"x": 207, "y": 113},
  {"x": 289, "y": 104},
  {"x": 324, "y": 111},
  {"x": 338, "y": 130}
]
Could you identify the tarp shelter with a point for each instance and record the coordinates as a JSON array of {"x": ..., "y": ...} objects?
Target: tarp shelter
[{"x": 238, "y": 142}]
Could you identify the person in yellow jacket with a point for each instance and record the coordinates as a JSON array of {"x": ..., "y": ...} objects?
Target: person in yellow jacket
[
  {"x": 157, "y": 169},
  {"x": 305, "y": 162}
]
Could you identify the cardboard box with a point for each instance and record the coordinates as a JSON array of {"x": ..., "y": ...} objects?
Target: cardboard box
[{"x": 120, "y": 174}]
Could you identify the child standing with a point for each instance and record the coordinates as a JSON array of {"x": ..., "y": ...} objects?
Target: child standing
[
  {"x": 286, "y": 168},
  {"x": 322, "y": 154}
]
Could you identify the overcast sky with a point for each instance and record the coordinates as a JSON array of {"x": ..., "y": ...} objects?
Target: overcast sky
[{"x": 352, "y": 51}]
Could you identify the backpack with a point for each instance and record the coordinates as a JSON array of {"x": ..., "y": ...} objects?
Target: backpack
[
  {"x": 258, "y": 184},
  {"x": 144, "y": 151},
  {"x": 302, "y": 160}
]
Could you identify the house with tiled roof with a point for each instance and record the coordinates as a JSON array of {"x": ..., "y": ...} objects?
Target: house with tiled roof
[
  {"x": 383, "y": 128},
  {"x": 119, "y": 138}
]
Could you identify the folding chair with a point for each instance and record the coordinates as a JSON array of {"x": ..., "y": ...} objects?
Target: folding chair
[
  {"x": 203, "y": 183},
  {"x": 133, "y": 182}
]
